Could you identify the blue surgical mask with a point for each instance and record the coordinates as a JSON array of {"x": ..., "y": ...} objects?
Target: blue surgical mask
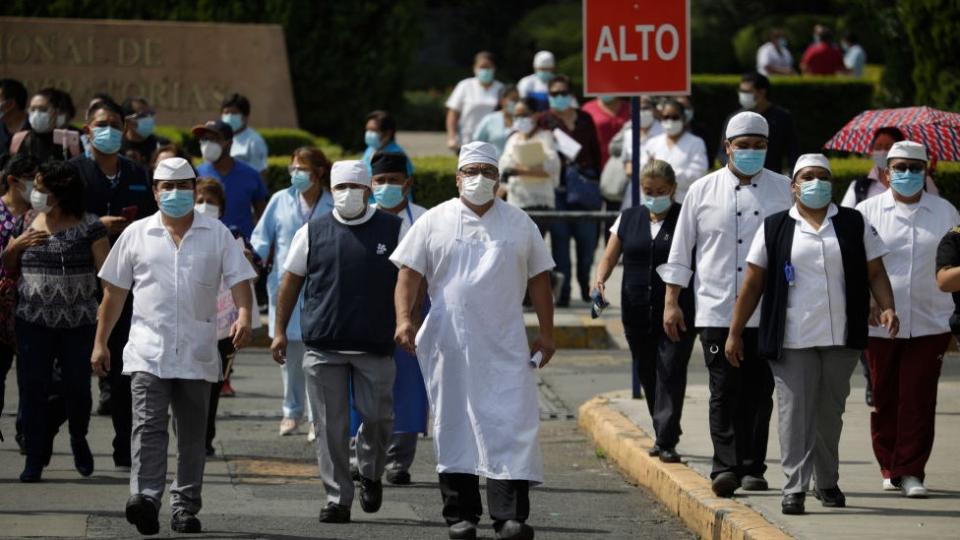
[
  {"x": 816, "y": 194},
  {"x": 234, "y": 120},
  {"x": 561, "y": 103},
  {"x": 176, "y": 203},
  {"x": 371, "y": 139},
  {"x": 657, "y": 205},
  {"x": 782, "y": 42},
  {"x": 145, "y": 126},
  {"x": 106, "y": 139},
  {"x": 544, "y": 75},
  {"x": 485, "y": 75},
  {"x": 906, "y": 183},
  {"x": 300, "y": 180},
  {"x": 511, "y": 105},
  {"x": 388, "y": 195},
  {"x": 749, "y": 162}
]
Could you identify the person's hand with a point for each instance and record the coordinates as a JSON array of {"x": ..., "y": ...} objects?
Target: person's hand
[
  {"x": 406, "y": 337},
  {"x": 545, "y": 345},
  {"x": 602, "y": 287},
  {"x": 874, "y": 318},
  {"x": 100, "y": 360},
  {"x": 241, "y": 334},
  {"x": 890, "y": 321},
  {"x": 673, "y": 321},
  {"x": 452, "y": 143},
  {"x": 733, "y": 350},
  {"x": 279, "y": 348},
  {"x": 30, "y": 238},
  {"x": 114, "y": 224}
]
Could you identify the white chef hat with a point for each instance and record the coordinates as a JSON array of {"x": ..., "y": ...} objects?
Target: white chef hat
[
  {"x": 907, "y": 150},
  {"x": 811, "y": 160},
  {"x": 543, "y": 60},
  {"x": 349, "y": 172},
  {"x": 175, "y": 168},
  {"x": 478, "y": 152},
  {"x": 747, "y": 123}
]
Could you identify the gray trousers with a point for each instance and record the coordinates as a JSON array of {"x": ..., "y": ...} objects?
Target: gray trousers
[
  {"x": 328, "y": 376},
  {"x": 812, "y": 389},
  {"x": 152, "y": 398},
  {"x": 401, "y": 452}
]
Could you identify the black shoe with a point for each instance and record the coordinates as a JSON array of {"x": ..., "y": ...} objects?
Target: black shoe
[
  {"x": 185, "y": 522},
  {"x": 82, "y": 457},
  {"x": 725, "y": 484},
  {"x": 654, "y": 451},
  {"x": 143, "y": 513},
  {"x": 32, "y": 472},
  {"x": 371, "y": 495},
  {"x": 104, "y": 408},
  {"x": 355, "y": 473},
  {"x": 754, "y": 483},
  {"x": 669, "y": 455},
  {"x": 513, "y": 530},
  {"x": 831, "y": 498},
  {"x": 211, "y": 451},
  {"x": 335, "y": 513},
  {"x": 398, "y": 478},
  {"x": 122, "y": 463},
  {"x": 868, "y": 396},
  {"x": 21, "y": 443},
  {"x": 792, "y": 504},
  {"x": 463, "y": 530}
]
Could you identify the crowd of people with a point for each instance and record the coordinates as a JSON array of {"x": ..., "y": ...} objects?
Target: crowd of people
[
  {"x": 124, "y": 260},
  {"x": 823, "y": 56}
]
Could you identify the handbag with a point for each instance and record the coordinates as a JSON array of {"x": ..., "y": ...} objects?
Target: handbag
[
  {"x": 613, "y": 180},
  {"x": 582, "y": 191}
]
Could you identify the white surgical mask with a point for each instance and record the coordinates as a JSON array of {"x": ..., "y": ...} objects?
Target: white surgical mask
[
  {"x": 40, "y": 121},
  {"x": 349, "y": 203},
  {"x": 672, "y": 127},
  {"x": 478, "y": 189},
  {"x": 747, "y": 100},
  {"x": 646, "y": 118},
  {"x": 879, "y": 159},
  {"x": 210, "y": 151},
  {"x": 212, "y": 211},
  {"x": 61, "y": 120},
  {"x": 38, "y": 201},
  {"x": 26, "y": 188}
]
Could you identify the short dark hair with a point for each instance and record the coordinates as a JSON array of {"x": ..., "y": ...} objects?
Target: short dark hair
[
  {"x": 850, "y": 37},
  {"x": 758, "y": 80},
  {"x": 127, "y": 106},
  {"x": 107, "y": 105},
  {"x": 209, "y": 186},
  {"x": 484, "y": 55},
  {"x": 19, "y": 165},
  {"x": 385, "y": 120},
  {"x": 169, "y": 147},
  {"x": 64, "y": 102},
  {"x": 61, "y": 179},
  {"x": 15, "y": 90},
  {"x": 672, "y": 102},
  {"x": 893, "y": 132},
  {"x": 238, "y": 101},
  {"x": 51, "y": 95},
  {"x": 561, "y": 78}
]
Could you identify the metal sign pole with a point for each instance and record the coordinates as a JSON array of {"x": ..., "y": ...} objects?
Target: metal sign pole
[{"x": 635, "y": 163}]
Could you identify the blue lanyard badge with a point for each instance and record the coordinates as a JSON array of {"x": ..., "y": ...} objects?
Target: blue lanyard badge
[{"x": 790, "y": 274}]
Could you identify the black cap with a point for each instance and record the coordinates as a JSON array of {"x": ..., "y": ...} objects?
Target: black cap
[
  {"x": 387, "y": 162},
  {"x": 214, "y": 126}
]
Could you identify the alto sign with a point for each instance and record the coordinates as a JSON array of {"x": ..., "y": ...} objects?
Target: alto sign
[{"x": 635, "y": 47}]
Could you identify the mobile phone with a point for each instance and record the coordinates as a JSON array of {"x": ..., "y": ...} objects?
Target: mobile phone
[
  {"x": 598, "y": 304},
  {"x": 130, "y": 213}
]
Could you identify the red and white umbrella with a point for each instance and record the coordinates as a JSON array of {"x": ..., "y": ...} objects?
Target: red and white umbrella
[{"x": 938, "y": 130}]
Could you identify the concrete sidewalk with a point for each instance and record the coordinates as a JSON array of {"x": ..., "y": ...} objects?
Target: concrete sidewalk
[{"x": 870, "y": 512}]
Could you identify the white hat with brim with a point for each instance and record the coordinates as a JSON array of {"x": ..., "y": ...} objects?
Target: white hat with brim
[
  {"x": 175, "y": 168},
  {"x": 907, "y": 150},
  {"x": 543, "y": 60},
  {"x": 349, "y": 172},
  {"x": 747, "y": 124},
  {"x": 478, "y": 152},
  {"x": 811, "y": 160}
]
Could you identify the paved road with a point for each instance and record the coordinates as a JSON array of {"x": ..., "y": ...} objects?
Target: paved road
[{"x": 263, "y": 486}]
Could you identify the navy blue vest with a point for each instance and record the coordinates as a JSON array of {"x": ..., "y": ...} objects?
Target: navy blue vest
[
  {"x": 348, "y": 295},
  {"x": 642, "y": 294},
  {"x": 778, "y": 237}
]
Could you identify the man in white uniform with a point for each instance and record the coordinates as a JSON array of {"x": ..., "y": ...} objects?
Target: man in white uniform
[
  {"x": 173, "y": 262},
  {"x": 719, "y": 218},
  {"x": 535, "y": 85},
  {"x": 478, "y": 255}
]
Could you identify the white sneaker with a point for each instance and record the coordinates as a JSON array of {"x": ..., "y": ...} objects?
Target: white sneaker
[
  {"x": 287, "y": 426},
  {"x": 312, "y": 434},
  {"x": 888, "y": 485},
  {"x": 912, "y": 487}
]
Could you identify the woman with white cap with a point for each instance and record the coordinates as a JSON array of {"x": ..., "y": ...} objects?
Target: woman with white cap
[
  {"x": 815, "y": 266},
  {"x": 904, "y": 371},
  {"x": 535, "y": 85}
]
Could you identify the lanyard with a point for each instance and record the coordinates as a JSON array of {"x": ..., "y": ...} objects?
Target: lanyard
[{"x": 409, "y": 214}]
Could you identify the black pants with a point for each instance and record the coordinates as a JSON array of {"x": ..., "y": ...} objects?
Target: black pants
[
  {"x": 227, "y": 353},
  {"x": 6, "y": 360},
  {"x": 38, "y": 347},
  {"x": 741, "y": 401},
  {"x": 661, "y": 367},
  {"x": 120, "y": 404},
  {"x": 507, "y": 499}
]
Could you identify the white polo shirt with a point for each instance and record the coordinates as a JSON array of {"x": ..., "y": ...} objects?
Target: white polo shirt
[
  {"x": 815, "y": 319},
  {"x": 912, "y": 233},
  {"x": 173, "y": 334},
  {"x": 473, "y": 101},
  {"x": 718, "y": 219}
]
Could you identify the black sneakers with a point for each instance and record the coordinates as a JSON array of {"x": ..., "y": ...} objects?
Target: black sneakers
[
  {"x": 371, "y": 495},
  {"x": 185, "y": 522},
  {"x": 143, "y": 513},
  {"x": 831, "y": 498},
  {"x": 398, "y": 478},
  {"x": 513, "y": 530},
  {"x": 82, "y": 457},
  {"x": 335, "y": 513},
  {"x": 792, "y": 504},
  {"x": 725, "y": 484}
]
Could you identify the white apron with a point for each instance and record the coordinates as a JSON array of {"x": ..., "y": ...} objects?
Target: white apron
[{"x": 474, "y": 355}]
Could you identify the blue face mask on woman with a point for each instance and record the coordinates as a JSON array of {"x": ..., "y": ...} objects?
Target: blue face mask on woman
[
  {"x": 371, "y": 139},
  {"x": 816, "y": 194},
  {"x": 657, "y": 205},
  {"x": 145, "y": 126},
  {"x": 176, "y": 203},
  {"x": 561, "y": 103},
  {"x": 748, "y": 161},
  {"x": 388, "y": 195},
  {"x": 485, "y": 75},
  {"x": 106, "y": 139},
  {"x": 300, "y": 180},
  {"x": 907, "y": 183}
]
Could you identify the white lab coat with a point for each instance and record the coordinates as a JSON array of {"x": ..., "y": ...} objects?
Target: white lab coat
[{"x": 473, "y": 347}]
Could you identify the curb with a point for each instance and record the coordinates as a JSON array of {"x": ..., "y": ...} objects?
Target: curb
[{"x": 681, "y": 489}]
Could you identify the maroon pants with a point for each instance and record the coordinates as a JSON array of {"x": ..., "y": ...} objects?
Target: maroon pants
[{"x": 904, "y": 374}]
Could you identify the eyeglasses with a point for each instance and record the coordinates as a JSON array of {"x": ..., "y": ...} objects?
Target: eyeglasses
[
  {"x": 672, "y": 117},
  {"x": 560, "y": 93},
  {"x": 489, "y": 171},
  {"x": 913, "y": 167}
]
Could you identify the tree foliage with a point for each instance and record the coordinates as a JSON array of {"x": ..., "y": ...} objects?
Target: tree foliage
[{"x": 933, "y": 27}]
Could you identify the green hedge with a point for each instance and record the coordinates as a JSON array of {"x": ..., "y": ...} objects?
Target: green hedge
[{"x": 280, "y": 141}]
